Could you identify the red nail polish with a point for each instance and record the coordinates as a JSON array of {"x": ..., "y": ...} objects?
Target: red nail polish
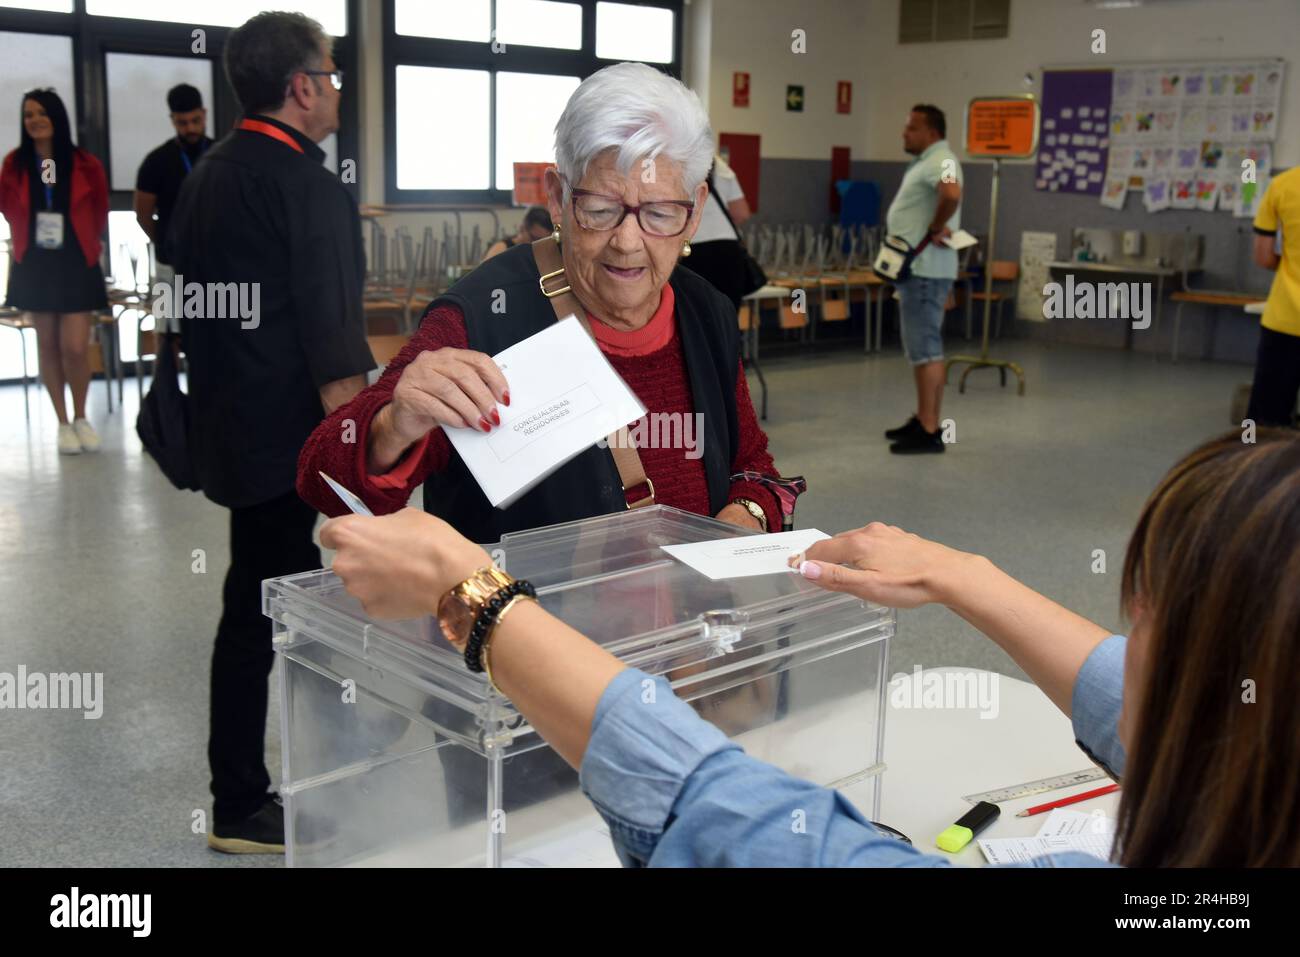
[
  {"x": 505, "y": 397},
  {"x": 484, "y": 424},
  {"x": 496, "y": 417}
]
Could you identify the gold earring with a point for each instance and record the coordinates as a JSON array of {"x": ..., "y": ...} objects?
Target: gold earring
[
  {"x": 686, "y": 249},
  {"x": 555, "y": 234}
]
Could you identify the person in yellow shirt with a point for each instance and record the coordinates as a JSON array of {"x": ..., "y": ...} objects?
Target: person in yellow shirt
[{"x": 1277, "y": 365}]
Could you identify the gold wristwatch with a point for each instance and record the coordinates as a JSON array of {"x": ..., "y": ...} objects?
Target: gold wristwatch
[
  {"x": 459, "y": 607},
  {"x": 753, "y": 508}
]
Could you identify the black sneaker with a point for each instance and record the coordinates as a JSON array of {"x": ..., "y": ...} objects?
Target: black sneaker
[
  {"x": 262, "y": 833},
  {"x": 912, "y": 425},
  {"x": 919, "y": 442}
]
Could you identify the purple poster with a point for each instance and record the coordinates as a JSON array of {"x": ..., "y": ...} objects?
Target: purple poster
[{"x": 1074, "y": 141}]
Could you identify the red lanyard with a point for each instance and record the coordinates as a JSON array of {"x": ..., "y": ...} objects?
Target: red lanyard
[{"x": 266, "y": 129}]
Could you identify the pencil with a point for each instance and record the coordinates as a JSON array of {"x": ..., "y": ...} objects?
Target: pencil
[{"x": 1096, "y": 792}]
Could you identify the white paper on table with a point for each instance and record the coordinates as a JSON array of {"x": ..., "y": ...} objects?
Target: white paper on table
[
  {"x": 1064, "y": 830},
  {"x": 1062, "y": 822},
  {"x": 1017, "y": 850},
  {"x": 960, "y": 240},
  {"x": 565, "y": 397},
  {"x": 747, "y": 555}
]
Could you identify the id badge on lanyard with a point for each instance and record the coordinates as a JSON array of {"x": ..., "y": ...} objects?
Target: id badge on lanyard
[{"x": 49, "y": 224}]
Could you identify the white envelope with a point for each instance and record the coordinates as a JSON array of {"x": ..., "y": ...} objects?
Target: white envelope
[
  {"x": 565, "y": 397},
  {"x": 745, "y": 556},
  {"x": 961, "y": 239}
]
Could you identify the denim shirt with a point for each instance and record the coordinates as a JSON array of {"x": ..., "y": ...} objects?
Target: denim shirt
[{"x": 675, "y": 792}]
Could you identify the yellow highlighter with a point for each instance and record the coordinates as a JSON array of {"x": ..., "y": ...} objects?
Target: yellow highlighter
[{"x": 958, "y": 835}]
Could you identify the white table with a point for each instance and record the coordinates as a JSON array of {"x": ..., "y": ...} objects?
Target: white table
[{"x": 933, "y": 757}]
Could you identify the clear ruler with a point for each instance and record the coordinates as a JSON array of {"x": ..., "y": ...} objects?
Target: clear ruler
[{"x": 1037, "y": 787}]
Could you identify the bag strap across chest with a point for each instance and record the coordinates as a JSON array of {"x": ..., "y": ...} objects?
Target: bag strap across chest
[{"x": 555, "y": 287}]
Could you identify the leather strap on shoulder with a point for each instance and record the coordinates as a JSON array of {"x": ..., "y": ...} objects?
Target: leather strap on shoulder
[{"x": 554, "y": 285}]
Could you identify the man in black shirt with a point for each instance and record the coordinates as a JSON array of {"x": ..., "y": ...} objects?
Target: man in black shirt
[
  {"x": 159, "y": 179},
  {"x": 273, "y": 242}
]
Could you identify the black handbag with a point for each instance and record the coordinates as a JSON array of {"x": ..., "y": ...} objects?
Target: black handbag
[
  {"x": 755, "y": 278},
  {"x": 164, "y": 419}
]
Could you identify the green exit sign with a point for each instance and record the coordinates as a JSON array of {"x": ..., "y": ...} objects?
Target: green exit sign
[{"x": 794, "y": 99}]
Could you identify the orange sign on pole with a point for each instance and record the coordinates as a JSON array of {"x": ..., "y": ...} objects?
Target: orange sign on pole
[
  {"x": 1002, "y": 126},
  {"x": 530, "y": 187}
]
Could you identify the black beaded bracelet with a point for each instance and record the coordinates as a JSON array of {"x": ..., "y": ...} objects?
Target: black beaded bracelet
[{"x": 487, "y": 619}]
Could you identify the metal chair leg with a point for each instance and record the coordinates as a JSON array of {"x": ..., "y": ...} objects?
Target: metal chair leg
[
  {"x": 108, "y": 369},
  {"x": 1178, "y": 325},
  {"x": 27, "y": 408}
]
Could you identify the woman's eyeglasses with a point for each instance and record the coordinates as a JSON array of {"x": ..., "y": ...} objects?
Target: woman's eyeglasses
[{"x": 601, "y": 212}]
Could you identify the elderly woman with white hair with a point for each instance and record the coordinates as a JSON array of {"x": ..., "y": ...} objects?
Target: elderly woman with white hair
[{"x": 633, "y": 149}]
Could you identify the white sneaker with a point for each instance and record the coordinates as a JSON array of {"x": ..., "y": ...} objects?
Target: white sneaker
[
  {"x": 86, "y": 435},
  {"x": 69, "y": 444}
]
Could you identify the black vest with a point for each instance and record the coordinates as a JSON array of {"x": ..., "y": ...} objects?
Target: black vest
[{"x": 502, "y": 304}]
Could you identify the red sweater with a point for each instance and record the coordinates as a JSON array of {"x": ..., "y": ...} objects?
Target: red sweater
[
  {"x": 87, "y": 206},
  {"x": 650, "y": 360}
]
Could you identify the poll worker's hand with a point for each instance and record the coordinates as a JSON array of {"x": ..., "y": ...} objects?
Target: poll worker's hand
[
  {"x": 400, "y": 565},
  {"x": 941, "y": 237},
  {"x": 458, "y": 388},
  {"x": 886, "y": 565}
]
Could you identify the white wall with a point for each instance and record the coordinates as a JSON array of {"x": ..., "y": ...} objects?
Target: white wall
[
  {"x": 1059, "y": 32},
  {"x": 754, "y": 36}
]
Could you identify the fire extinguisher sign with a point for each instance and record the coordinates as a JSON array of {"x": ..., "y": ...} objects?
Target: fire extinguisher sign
[
  {"x": 844, "y": 97},
  {"x": 740, "y": 89}
]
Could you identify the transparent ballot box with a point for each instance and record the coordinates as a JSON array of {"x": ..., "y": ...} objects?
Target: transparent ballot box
[{"x": 396, "y": 755}]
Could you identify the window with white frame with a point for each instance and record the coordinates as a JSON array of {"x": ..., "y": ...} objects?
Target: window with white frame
[{"x": 473, "y": 87}]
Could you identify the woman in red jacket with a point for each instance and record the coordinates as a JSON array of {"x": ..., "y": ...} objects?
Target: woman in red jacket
[{"x": 55, "y": 196}]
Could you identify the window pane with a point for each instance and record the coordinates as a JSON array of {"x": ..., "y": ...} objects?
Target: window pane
[
  {"x": 540, "y": 23},
  {"x": 49, "y": 6},
  {"x": 442, "y": 128},
  {"x": 30, "y": 60},
  {"x": 528, "y": 107},
  {"x": 138, "y": 117},
  {"x": 128, "y": 248},
  {"x": 331, "y": 14},
  {"x": 33, "y": 60},
  {"x": 445, "y": 19},
  {"x": 625, "y": 32}
]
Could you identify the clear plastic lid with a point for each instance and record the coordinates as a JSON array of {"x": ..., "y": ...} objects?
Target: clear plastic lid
[{"x": 609, "y": 578}]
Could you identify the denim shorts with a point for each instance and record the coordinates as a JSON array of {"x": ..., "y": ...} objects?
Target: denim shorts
[{"x": 921, "y": 301}]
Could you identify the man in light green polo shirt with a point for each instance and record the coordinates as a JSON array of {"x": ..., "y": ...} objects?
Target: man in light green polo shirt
[{"x": 928, "y": 203}]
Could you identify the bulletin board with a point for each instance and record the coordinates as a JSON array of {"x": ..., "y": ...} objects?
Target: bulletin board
[
  {"x": 1074, "y": 142},
  {"x": 1181, "y": 131},
  {"x": 1177, "y": 132}
]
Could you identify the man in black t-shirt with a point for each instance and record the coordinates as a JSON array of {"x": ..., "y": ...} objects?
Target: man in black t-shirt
[
  {"x": 159, "y": 180},
  {"x": 262, "y": 218}
]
